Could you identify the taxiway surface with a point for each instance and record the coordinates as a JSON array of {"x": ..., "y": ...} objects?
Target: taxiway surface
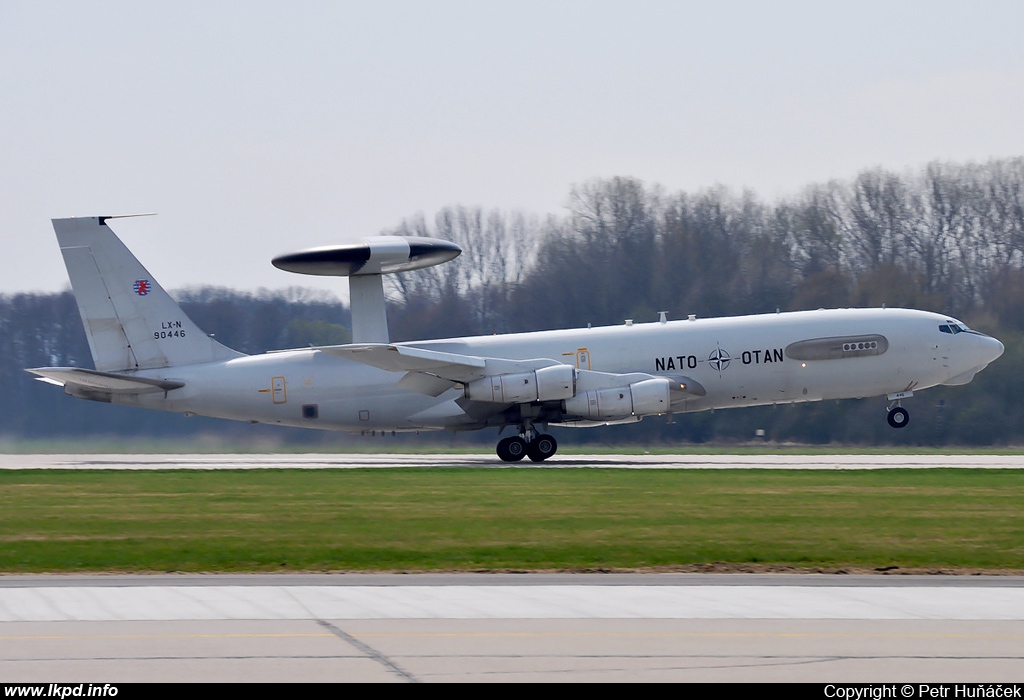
[{"x": 430, "y": 628}]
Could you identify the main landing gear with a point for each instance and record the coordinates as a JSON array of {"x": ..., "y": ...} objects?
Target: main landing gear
[{"x": 530, "y": 444}]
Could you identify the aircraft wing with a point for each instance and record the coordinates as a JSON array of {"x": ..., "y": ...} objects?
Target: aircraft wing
[
  {"x": 105, "y": 382},
  {"x": 450, "y": 366},
  {"x": 432, "y": 372}
]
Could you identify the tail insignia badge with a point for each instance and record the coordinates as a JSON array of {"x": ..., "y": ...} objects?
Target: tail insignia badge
[{"x": 141, "y": 287}]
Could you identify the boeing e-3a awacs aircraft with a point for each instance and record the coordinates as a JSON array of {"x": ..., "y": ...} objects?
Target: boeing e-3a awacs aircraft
[{"x": 148, "y": 353}]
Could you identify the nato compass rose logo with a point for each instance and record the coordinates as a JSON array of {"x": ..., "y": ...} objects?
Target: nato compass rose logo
[
  {"x": 141, "y": 287},
  {"x": 719, "y": 360}
]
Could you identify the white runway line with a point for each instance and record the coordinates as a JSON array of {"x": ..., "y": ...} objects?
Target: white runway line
[{"x": 111, "y": 603}]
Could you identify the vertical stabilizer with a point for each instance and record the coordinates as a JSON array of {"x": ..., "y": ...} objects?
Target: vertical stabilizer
[{"x": 130, "y": 321}]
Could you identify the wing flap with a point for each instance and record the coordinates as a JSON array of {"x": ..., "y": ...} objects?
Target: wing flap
[{"x": 423, "y": 383}]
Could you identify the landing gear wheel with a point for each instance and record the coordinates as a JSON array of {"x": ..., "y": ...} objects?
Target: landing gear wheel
[
  {"x": 898, "y": 417},
  {"x": 542, "y": 447},
  {"x": 511, "y": 449}
]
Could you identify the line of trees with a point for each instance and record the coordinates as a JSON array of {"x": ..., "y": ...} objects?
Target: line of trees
[{"x": 949, "y": 238}]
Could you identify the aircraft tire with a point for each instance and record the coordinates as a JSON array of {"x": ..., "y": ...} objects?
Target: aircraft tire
[
  {"x": 898, "y": 417},
  {"x": 511, "y": 449},
  {"x": 542, "y": 447}
]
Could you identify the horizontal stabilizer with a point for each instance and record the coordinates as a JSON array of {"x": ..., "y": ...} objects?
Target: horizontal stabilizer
[{"x": 106, "y": 382}]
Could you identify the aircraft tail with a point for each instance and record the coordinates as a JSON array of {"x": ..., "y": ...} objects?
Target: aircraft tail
[{"x": 130, "y": 321}]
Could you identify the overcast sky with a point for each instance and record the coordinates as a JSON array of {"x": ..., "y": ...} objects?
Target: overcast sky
[{"x": 255, "y": 128}]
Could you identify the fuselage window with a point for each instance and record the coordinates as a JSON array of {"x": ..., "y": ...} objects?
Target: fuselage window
[{"x": 849, "y": 347}]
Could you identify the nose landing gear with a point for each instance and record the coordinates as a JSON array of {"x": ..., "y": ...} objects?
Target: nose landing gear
[{"x": 898, "y": 417}]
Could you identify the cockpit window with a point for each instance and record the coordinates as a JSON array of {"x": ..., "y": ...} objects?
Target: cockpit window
[{"x": 953, "y": 327}]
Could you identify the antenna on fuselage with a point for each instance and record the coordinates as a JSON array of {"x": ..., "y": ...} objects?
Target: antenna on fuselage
[{"x": 364, "y": 264}]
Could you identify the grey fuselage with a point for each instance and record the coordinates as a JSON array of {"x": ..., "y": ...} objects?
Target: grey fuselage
[{"x": 738, "y": 361}]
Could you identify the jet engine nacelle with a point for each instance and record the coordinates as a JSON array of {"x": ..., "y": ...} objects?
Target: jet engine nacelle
[
  {"x": 644, "y": 398},
  {"x": 546, "y": 384}
]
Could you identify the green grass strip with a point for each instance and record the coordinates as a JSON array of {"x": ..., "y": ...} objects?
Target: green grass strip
[{"x": 508, "y": 518}]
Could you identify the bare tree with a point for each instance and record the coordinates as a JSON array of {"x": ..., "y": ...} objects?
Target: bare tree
[{"x": 498, "y": 247}]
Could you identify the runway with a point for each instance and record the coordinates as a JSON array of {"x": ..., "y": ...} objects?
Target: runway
[
  {"x": 454, "y": 628},
  {"x": 511, "y": 627},
  {"x": 568, "y": 461}
]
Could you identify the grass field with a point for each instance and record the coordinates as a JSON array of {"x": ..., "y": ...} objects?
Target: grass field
[{"x": 509, "y": 519}]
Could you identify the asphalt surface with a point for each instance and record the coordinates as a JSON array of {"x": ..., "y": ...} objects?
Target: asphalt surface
[{"x": 454, "y": 628}]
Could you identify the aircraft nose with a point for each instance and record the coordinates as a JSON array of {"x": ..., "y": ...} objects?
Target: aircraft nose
[
  {"x": 990, "y": 349},
  {"x": 996, "y": 348}
]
